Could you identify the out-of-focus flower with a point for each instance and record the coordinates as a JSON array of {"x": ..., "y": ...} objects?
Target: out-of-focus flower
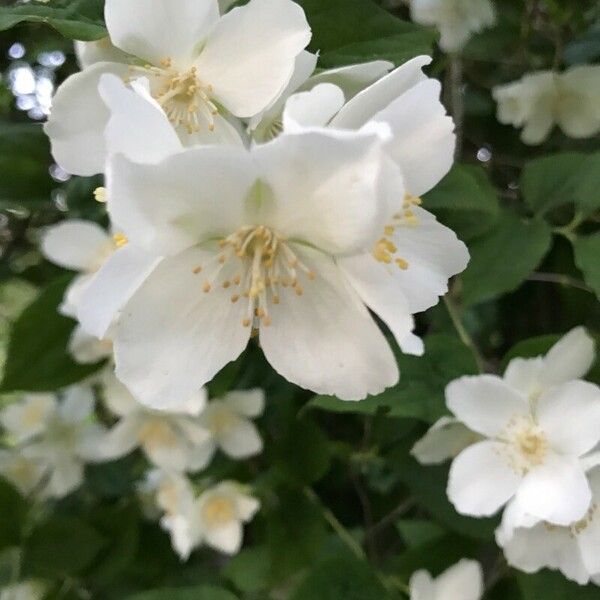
[
  {"x": 462, "y": 581},
  {"x": 543, "y": 99},
  {"x": 457, "y": 20}
]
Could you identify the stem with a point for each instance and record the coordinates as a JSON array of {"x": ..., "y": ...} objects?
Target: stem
[
  {"x": 457, "y": 99},
  {"x": 463, "y": 334},
  {"x": 391, "y": 517},
  {"x": 560, "y": 279},
  {"x": 340, "y": 530}
]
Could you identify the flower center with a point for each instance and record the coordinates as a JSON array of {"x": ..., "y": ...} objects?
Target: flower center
[
  {"x": 267, "y": 265},
  {"x": 527, "y": 442},
  {"x": 385, "y": 250},
  {"x": 221, "y": 420},
  {"x": 218, "y": 511},
  {"x": 155, "y": 433},
  {"x": 183, "y": 96}
]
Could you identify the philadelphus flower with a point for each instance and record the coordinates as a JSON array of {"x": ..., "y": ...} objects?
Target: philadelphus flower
[
  {"x": 163, "y": 492},
  {"x": 58, "y": 436},
  {"x": 528, "y": 453},
  {"x": 541, "y": 100},
  {"x": 462, "y": 581},
  {"x": 23, "y": 472},
  {"x": 260, "y": 241},
  {"x": 457, "y": 20},
  {"x": 175, "y": 441},
  {"x": 530, "y": 544},
  {"x": 214, "y": 518},
  {"x": 202, "y": 67},
  {"x": 570, "y": 358},
  {"x": 228, "y": 422}
]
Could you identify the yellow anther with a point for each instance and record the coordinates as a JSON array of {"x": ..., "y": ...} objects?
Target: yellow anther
[
  {"x": 246, "y": 322},
  {"x": 206, "y": 287},
  {"x": 197, "y": 270},
  {"x": 235, "y": 298},
  {"x": 402, "y": 263},
  {"x": 120, "y": 239},
  {"x": 389, "y": 229},
  {"x": 100, "y": 194}
]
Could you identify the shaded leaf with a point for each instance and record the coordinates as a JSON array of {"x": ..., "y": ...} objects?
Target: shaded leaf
[
  {"x": 587, "y": 259},
  {"x": 553, "y": 586},
  {"x": 201, "y": 592},
  {"x": 14, "y": 510}
]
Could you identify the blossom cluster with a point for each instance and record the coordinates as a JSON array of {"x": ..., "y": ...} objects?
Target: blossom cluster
[{"x": 528, "y": 441}]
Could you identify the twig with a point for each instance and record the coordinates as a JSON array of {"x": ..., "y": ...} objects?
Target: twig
[
  {"x": 466, "y": 339},
  {"x": 392, "y": 516}
]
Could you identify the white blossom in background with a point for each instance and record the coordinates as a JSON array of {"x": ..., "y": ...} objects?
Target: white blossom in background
[
  {"x": 214, "y": 518},
  {"x": 163, "y": 492},
  {"x": 445, "y": 439},
  {"x": 528, "y": 453},
  {"x": 173, "y": 441},
  {"x": 541, "y": 100},
  {"x": 457, "y": 20},
  {"x": 462, "y": 581},
  {"x": 202, "y": 67},
  {"x": 58, "y": 435},
  {"x": 26, "y": 590},
  {"x": 531, "y": 545},
  {"x": 228, "y": 421},
  {"x": 261, "y": 241},
  {"x": 24, "y": 473}
]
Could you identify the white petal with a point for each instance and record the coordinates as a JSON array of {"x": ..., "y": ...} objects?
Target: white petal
[
  {"x": 172, "y": 337},
  {"x": 326, "y": 189},
  {"x": 117, "y": 398},
  {"x": 111, "y": 287},
  {"x": 484, "y": 403},
  {"x": 27, "y": 418},
  {"x": 77, "y": 121},
  {"x": 73, "y": 295},
  {"x": 137, "y": 127},
  {"x": 589, "y": 544},
  {"x": 118, "y": 441},
  {"x": 314, "y": 108},
  {"x": 576, "y": 403},
  {"x": 199, "y": 207},
  {"x": 87, "y": 349},
  {"x": 77, "y": 404},
  {"x": 379, "y": 95},
  {"x": 242, "y": 440},
  {"x": 250, "y": 403},
  {"x": 423, "y": 138},
  {"x": 89, "y": 53},
  {"x": 168, "y": 452},
  {"x": 247, "y": 506},
  {"x": 421, "y": 586},
  {"x": 514, "y": 518},
  {"x": 481, "y": 480},
  {"x": 154, "y": 30},
  {"x": 462, "y": 581},
  {"x": 444, "y": 440},
  {"x": 67, "y": 476},
  {"x": 325, "y": 339},
  {"x": 379, "y": 288},
  {"x": 525, "y": 375},
  {"x": 77, "y": 245},
  {"x": 570, "y": 358},
  {"x": 249, "y": 56},
  {"x": 433, "y": 253},
  {"x": 184, "y": 535},
  {"x": 226, "y": 539},
  {"x": 556, "y": 491}
]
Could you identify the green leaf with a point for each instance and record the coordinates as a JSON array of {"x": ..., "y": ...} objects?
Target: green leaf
[
  {"x": 60, "y": 547},
  {"x": 302, "y": 466},
  {"x": 249, "y": 570},
  {"x": 37, "y": 358},
  {"x": 14, "y": 508},
  {"x": 465, "y": 201},
  {"x": 24, "y": 163},
  {"x": 75, "y": 19},
  {"x": 420, "y": 392},
  {"x": 380, "y": 35},
  {"x": 416, "y": 532},
  {"x": 566, "y": 178},
  {"x": 551, "y": 585},
  {"x": 341, "y": 579},
  {"x": 202, "y": 592},
  {"x": 587, "y": 259},
  {"x": 502, "y": 259}
]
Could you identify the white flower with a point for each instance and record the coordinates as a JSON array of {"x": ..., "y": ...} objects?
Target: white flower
[
  {"x": 457, "y": 20},
  {"x": 253, "y": 243},
  {"x": 201, "y": 66},
  {"x": 462, "y": 581},
  {"x": 164, "y": 492},
  {"x": 445, "y": 439},
  {"x": 58, "y": 435},
  {"x": 530, "y": 544},
  {"x": 27, "y": 590},
  {"x": 543, "y": 99},
  {"x": 87, "y": 349},
  {"x": 24, "y": 473},
  {"x": 228, "y": 422},
  {"x": 214, "y": 518},
  {"x": 528, "y": 452},
  {"x": 80, "y": 246},
  {"x": 570, "y": 358},
  {"x": 175, "y": 441}
]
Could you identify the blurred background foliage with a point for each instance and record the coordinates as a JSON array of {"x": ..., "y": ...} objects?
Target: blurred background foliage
[{"x": 530, "y": 216}]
